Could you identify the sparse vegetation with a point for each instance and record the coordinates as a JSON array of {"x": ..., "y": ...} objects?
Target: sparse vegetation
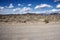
[
  {"x": 23, "y": 21},
  {"x": 29, "y": 18},
  {"x": 46, "y": 21}
]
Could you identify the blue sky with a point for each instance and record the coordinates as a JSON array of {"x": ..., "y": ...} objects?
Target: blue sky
[{"x": 29, "y": 6}]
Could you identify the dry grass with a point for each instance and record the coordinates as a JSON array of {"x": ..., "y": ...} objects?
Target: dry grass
[{"x": 29, "y": 18}]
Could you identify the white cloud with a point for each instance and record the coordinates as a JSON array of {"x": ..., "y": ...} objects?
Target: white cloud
[
  {"x": 11, "y": 6},
  {"x": 55, "y": 10},
  {"x": 1, "y": 8},
  {"x": 16, "y": 9},
  {"x": 26, "y": 9},
  {"x": 19, "y": 4},
  {"x": 58, "y": 6},
  {"x": 22, "y": 10},
  {"x": 56, "y": 0},
  {"x": 49, "y": 11},
  {"x": 6, "y": 11},
  {"x": 29, "y": 4},
  {"x": 43, "y": 6}
]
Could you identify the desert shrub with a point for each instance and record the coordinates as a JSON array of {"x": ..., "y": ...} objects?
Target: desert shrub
[
  {"x": 23, "y": 21},
  {"x": 46, "y": 21},
  {"x": 5, "y": 21}
]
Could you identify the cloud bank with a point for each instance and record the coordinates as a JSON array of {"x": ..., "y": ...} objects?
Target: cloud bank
[
  {"x": 43, "y": 6},
  {"x": 28, "y": 9}
]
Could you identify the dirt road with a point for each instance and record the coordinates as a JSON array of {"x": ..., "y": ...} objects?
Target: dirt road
[{"x": 30, "y": 32}]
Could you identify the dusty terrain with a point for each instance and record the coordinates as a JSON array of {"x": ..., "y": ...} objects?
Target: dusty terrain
[
  {"x": 25, "y": 31},
  {"x": 30, "y": 27}
]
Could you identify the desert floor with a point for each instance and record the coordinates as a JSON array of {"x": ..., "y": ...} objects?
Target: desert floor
[{"x": 37, "y": 31}]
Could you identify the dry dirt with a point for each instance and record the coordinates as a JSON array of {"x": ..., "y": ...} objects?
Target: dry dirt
[{"x": 29, "y": 31}]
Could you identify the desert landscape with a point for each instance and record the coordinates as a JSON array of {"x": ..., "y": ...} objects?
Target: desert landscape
[
  {"x": 29, "y": 19},
  {"x": 30, "y": 27}
]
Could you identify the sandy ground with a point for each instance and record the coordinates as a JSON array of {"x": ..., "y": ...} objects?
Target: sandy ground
[{"x": 38, "y": 31}]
